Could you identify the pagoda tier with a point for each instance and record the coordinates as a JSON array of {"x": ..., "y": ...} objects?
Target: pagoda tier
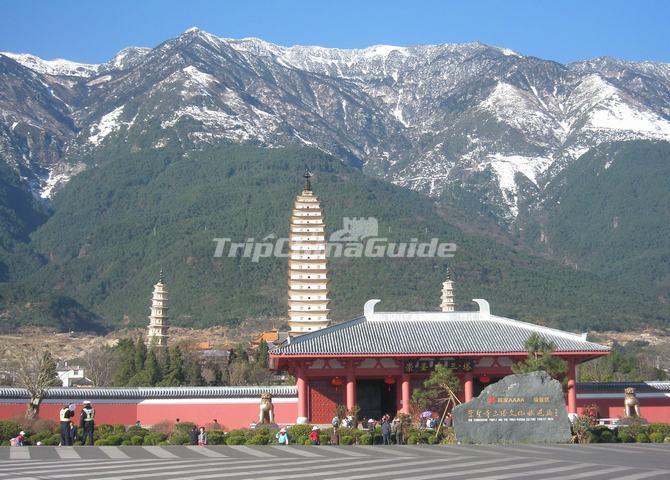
[{"x": 307, "y": 266}]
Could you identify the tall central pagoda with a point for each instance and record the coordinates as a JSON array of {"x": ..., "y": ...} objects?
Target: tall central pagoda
[{"x": 307, "y": 270}]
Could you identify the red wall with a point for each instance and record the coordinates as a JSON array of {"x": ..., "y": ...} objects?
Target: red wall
[
  {"x": 228, "y": 415},
  {"x": 653, "y": 409}
]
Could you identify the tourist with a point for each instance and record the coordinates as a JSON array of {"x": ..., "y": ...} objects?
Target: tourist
[
  {"x": 371, "y": 425},
  {"x": 386, "y": 431},
  {"x": 314, "y": 436},
  {"x": 282, "y": 437},
  {"x": 215, "y": 425},
  {"x": 395, "y": 427},
  {"x": 334, "y": 437},
  {"x": 138, "y": 424},
  {"x": 448, "y": 420},
  {"x": 193, "y": 435},
  {"x": 72, "y": 433},
  {"x": 202, "y": 437},
  {"x": 65, "y": 414},
  {"x": 18, "y": 440},
  {"x": 86, "y": 422},
  {"x": 335, "y": 422}
]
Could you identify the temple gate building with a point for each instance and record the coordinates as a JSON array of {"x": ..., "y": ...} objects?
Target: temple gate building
[{"x": 379, "y": 358}]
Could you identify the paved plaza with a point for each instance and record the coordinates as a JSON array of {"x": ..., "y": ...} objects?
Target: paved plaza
[{"x": 421, "y": 462}]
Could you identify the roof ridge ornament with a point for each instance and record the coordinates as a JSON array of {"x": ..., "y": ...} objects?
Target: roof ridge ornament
[
  {"x": 484, "y": 308},
  {"x": 369, "y": 308}
]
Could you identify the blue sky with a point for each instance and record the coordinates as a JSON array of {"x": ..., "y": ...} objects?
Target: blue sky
[{"x": 92, "y": 31}]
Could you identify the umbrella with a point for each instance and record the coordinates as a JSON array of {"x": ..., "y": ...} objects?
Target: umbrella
[{"x": 426, "y": 414}]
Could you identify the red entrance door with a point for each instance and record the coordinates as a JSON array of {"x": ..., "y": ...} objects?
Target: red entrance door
[{"x": 323, "y": 398}]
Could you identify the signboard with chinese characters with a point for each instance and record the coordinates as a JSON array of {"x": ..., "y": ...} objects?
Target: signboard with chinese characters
[
  {"x": 527, "y": 408},
  {"x": 427, "y": 365}
]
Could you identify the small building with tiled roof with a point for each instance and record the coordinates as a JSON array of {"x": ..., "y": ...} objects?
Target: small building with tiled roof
[{"x": 376, "y": 360}]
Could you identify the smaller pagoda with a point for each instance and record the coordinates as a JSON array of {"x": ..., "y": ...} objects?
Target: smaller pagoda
[
  {"x": 448, "y": 304},
  {"x": 158, "y": 320}
]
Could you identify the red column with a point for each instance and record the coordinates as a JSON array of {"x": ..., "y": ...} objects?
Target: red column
[
  {"x": 301, "y": 383},
  {"x": 572, "y": 388},
  {"x": 406, "y": 393},
  {"x": 351, "y": 386},
  {"x": 467, "y": 386}
]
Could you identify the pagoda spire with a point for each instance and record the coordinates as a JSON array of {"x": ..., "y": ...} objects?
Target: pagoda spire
[
  {"x": 157, "y": 334},
  {"x": 448, "y": 304},
  {"x": 308, "y": 185},
  {"x": 307, "y": 268}
]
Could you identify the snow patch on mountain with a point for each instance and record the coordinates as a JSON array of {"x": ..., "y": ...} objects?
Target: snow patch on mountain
[
  {"x": 507, "y": 166},
  {"x": 204, "y": 79},
  {"x": 53, "y": 67},
  {"x": 58, "y": 177},
  {"x": 108, "y": 123},
  {"x": 616, "y": 115}
]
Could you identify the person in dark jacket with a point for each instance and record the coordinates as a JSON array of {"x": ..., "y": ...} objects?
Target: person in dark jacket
[
  {"x": 386, "y": 431},
  {"x": 193, "y": 435},
  {"x": 86, "y": 423},
  {"x": 65, "y": 415}
]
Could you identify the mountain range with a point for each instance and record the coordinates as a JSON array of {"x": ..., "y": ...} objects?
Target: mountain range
[{"x": 511, "y": 147}]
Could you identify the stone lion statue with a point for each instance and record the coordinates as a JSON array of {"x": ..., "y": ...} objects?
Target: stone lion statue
[
  {"x": 267, "y": 410},
  {"x": 630, "y": 403}
]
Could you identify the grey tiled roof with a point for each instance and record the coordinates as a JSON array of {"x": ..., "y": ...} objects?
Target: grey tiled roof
[
  {"x": 154, "y": 392},
  {"x": 618, "y": 387},
  {"x": 430, "y": 333}
]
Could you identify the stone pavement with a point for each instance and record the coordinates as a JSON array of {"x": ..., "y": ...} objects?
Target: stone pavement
[{"x": 421, "y": 462}]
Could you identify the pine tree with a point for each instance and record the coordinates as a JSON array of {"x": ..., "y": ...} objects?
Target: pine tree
[
  {"x": 151, "y": 373},
  {"x": 174, "y": 369},
  {"x": 140, "y": 354},
  {"x": 262, "y": 355},
  {"x": 540, "y": 357},
  {"x": 124, "y": 354},
  {"x": 193, "y": 373}
]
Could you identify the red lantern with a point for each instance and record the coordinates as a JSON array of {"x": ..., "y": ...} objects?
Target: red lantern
[
  {"x": 389, "y": 380},
  {"x": 484, "y": 379},
  {"x": 336, "y": 382}
]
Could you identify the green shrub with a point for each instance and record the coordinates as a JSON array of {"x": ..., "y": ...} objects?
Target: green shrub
[
  {"x": 656, "y": 437},
  {"x": 183, "y": 427},
  {"x": 624, "y": 436},
  {"x": 666, "y": 440},
  {"x": 8, "y": 429},
  {"x": 324, "y": 438},
  {"x": 412, "y": 440},
  {"x": 365, "y": 439},
  {"x": 154, "y": 438},
  {"x": 662, "y": 428},
  {"x": 607, "y": 436},
  {"x": 297, "y": 431},
  {"x": 216, "y": 437},
  {"x": 235, "y": 440},
  {"x": 307, "y": 442},
  {"x": 347, "y": 440},
  {"x": 300, "y": 440},
  {"x": 179, "y": 438},
  {"x": 642, "y": 438},
  {"x": 258, "y": 439}
]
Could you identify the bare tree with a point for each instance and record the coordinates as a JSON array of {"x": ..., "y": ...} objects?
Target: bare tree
[
  {"x": 100, "y": 365},
  {"x": 35, "y": 371}
]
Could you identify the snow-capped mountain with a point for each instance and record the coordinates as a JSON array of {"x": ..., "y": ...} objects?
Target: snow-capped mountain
[{"x": 452, "y": 120}]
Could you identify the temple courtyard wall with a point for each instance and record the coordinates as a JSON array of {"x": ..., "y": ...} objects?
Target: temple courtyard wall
[{"x": 238, "y": 407}]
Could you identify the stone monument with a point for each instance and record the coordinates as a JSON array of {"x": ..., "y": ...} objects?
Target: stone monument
[
  {"x": 524, "y": 408},
  {"x": 267, "y": 410},
  {"x": 631, "y": 405}
]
